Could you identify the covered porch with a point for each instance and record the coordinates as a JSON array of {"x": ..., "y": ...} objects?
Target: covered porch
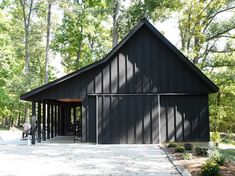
[{"x": 53, "y": 118}]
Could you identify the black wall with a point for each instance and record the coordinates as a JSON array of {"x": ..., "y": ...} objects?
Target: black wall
[
  {"x": 131, "y": 119},
  {"x": 142, "y": 65}
]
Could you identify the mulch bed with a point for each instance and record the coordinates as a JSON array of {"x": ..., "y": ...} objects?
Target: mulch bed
[{"x": 194, "y": 165}]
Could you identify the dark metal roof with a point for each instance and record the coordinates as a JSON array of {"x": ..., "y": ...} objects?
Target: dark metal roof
[{"x": 114, "y": 50}]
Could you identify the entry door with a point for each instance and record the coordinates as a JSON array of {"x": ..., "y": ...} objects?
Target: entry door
[{"x": 127, "y": 119}]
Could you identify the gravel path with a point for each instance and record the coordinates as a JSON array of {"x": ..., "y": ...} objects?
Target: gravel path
[{"x": 51, "y": 159}]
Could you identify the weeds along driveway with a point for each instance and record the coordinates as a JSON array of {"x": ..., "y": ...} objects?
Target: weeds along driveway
[{"x": 84, "y": 159}]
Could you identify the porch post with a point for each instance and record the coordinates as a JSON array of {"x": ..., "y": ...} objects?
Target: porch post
[
  {"x": 39, "y": 122},
  {"x": 74, "y": 120},
  {"x": 97, "y": 123},
  {"x": 33, "y": 121},
  {"x": 59, "y": 120},
  {"x": 56, "y": 115},
  {"x": 62, "y": 122},
  {"x": 52, "y": 120},
  {"x": 43, "y": 121},
  {"x": 48, "y": 121}
]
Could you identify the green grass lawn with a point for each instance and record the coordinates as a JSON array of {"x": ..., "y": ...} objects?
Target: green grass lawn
[
  {"x": 3, "y": 128},
  {"x": 229, "y": 154}
]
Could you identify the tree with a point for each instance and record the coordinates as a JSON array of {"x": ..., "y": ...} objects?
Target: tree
[
  {"x": 150, "y": 9},
  {"x": 201, "y": 30},
  {"x": 82, "y": 37},
  {"x": 27, "y": 9},
  {"x": 48, "y": 40},
  {"x": 209, "y": 42}
]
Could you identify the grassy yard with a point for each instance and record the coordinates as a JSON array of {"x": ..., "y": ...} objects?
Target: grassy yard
[
  {"x": 3, "y": 128},
  {"x": 229, "y": 154}
]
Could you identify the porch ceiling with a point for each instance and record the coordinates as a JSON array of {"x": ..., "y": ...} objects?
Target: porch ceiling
[{"x": 67, "y": 100}]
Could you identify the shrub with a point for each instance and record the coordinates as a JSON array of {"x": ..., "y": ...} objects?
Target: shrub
[
  {"x": 210, "y": 168},
  {"x": 180, "y": 149},
  {"x": 215, "y": 136},
  {"x": 227, "y": 138},
  {"x": 188, "y": 146},
  {"x": 201, "y": 151},
  {"x": 171, "y": 145},
  {"x": 188, "y": 156},
  {"x": 217, "y": 157}
]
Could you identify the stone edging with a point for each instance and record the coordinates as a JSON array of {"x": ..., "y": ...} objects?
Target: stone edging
[{"x": 182, "y": 171}]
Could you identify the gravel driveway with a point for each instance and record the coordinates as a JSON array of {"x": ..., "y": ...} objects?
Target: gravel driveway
[{"x": 84, "y": 159}]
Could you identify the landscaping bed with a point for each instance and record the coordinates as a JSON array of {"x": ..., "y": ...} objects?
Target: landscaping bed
[{"x": 193, "y": 162}]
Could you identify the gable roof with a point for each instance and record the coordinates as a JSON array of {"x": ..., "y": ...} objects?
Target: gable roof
[{"x": 143, "y": 22}]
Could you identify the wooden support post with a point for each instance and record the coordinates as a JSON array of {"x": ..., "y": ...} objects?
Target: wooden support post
[
  {"x": 74, "y": 120},
  {"x": 65, "y": 120},
  {"x": 97, "y": 123},
  {"x": 39, "y": 122},
  {"x": 69, "y": 119},
  {"x": 81, "y": 116},
  {"x": 62, "y": 121},
  {"x": 33, "y": 121},
  {"x": 48, "y": 121},
  {"x": 56, "y": 121},
  {"x": 52, "y": 121},
  {"x": 44, "y": 122},
  {"x": 59, "y": 120}
]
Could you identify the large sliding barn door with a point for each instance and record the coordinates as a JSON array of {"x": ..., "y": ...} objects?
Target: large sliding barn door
[
  {"x": 127, "y": 119},
  {"x": 135, "y": 119}
]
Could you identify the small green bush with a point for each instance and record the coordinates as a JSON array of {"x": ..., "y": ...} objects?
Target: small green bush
[
  {"x": 188, "y": 156},
  {"x": 217, "y": 157},
  {"x": 180, "y": 149},
  {"x": 188, "y": 146},
  {"x": 201, "y": 151},
  {"x": 171, "y": 145},
  {"x": 228, "y": 138},
  {"x": 210, "y": 168},
  {"x": 215, "y": 137}
]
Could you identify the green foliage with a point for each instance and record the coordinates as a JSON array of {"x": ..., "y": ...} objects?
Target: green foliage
[
  {"x": 201, "y": 151},
  {"x": 187, "y": 156},
  {"x": 207, "y": 39},
  {"x": 171, "y": 145},
  {"x": 151, "y": 9},
  {"x": 83, "y": 37},
  {"x": 228, "y": 138},
  {"x": 180, "y": 149},
  {"x": 217, "y": 157},
  {"x": 215, "y": 136},
  {"x": 188, "y": 146},
  {"x": 229, "y": 154},
  {"x": 210, "y": 168}
]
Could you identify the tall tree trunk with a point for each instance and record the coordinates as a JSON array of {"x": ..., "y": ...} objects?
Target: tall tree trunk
[
  {"x": 19, "y": 120},
  {"x": 27, "y": 19},
  {"x": 116, "y": 10},
  {"x": 48, "y": 41}
]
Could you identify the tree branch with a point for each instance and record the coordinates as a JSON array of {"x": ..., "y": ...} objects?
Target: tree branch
[
  {"x": 220, "y": 33},
  {"x": 221, "y": 51},
  {"x": 221, "y": 11}
]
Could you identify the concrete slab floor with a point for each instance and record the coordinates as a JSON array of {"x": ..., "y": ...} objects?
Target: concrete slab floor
[{"x": 53, "y": 158}]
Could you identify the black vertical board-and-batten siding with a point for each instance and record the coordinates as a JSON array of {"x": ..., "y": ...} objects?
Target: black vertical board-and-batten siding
[
  {"x": 138, "y": 120},
  {"x": 143, "y": 65}
]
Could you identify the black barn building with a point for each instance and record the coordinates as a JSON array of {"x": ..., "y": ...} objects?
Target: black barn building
[{"x": 144, "y": 91}]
